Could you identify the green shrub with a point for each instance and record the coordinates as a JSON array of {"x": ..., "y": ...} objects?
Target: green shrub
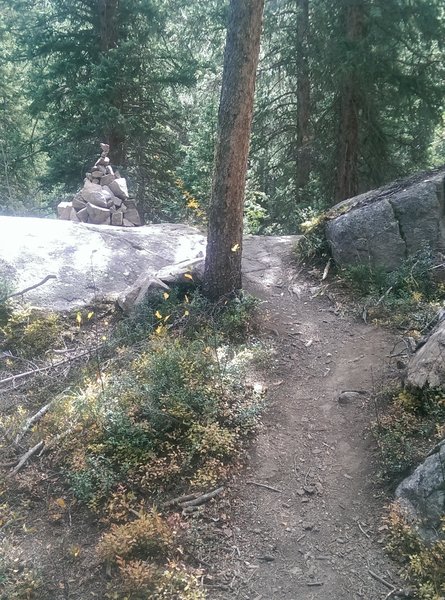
[
  {"x": 178, "y": 409},
  {"x": 407, "y": 298},
  {"x": 424, "y": 563},
  {"x": 406, "y": 430},
  {"x": 6, "y": 287},
  {"x": 313, "y": 246},
  {"x": 30, "y": 333}
]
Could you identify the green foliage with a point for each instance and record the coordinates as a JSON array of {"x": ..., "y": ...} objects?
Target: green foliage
[
  {"x": 185, "y": 309},
  {"x": 105, "y": 76},
  {"x": 146, "y": 77},
  {"x": 406, "y": 430},
  {"x": 6, "y": 289},
  {"x": 414, "y": 276},
  {"x": 30, "y": 333},
  {"x": 255, "y": 213},
  {"x": 174, "y": 408},
  {"x": 408, "y": 297},
  {"x": 424, "y": 564},
  {"x": 313, "y": 246}
]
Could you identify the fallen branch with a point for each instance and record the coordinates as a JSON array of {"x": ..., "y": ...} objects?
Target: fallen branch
[
  {"x": 388, "y": 291},
  {"x": 14, "y": 378},
  {"x": 382, "y": 581},
  {"x": 26, "y": 457},
  {"x": 181, "y": 499},
  {"x": 362, "y": 530},
  {"x": 202, "y": 499},
  {"x": 30, "y": 422},
  {"x": 327, "y": 269},
  {"x": 263, "y": 485},
  {"x": 31, "y": 287}
]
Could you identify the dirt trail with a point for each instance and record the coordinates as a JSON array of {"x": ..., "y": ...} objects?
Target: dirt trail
[{"x": 318, "y": 537}]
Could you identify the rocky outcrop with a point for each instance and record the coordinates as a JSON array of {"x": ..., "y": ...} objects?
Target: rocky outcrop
[
  {"x": 383, "y": 227},
  {"x": 104, "y": 198},
  {"x": 90, "y": 263},
  {"x": 422, "y": 494},
  {"x": 426, "y": 367}
]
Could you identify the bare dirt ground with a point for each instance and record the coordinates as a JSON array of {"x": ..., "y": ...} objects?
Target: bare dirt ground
[{"x": 318, "y": 533}]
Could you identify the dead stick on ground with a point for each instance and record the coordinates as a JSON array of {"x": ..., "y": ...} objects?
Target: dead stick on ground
[
  {"x": 54, "y": 441},
  {"x": 32, "y": 287},
  {"x": 26, "y": 457},
  {"x": 14, "y": 378},
  {"x": 382, "y": 581},
  {"x": 30, "y": 422},
  {"x": 181, "y": 499},
  {"x": 263, "y": 485},
  {"x": 202, "y": 499},
  {"x": 362, "y": 530}
]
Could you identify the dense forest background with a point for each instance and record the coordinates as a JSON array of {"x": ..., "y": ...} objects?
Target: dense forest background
[{"x": 350, "y": 94}]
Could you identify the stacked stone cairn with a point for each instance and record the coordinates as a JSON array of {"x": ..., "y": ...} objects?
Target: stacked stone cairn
[{"x": 103, "y": 200}]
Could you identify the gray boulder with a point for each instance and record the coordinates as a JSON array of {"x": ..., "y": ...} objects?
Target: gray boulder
[
  {"x": 426, "y": 367},
  {"x": 422, "y": 494},
  {"x": 119, "y": 187},
  {"x": 383, "y": 227},
  {"x": 95, "y": 198},
  {"x": 64, "y": 210},
  {"x": 98, "y": 215}
]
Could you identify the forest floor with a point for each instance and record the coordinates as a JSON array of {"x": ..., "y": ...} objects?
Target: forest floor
[
  {"x": 317, "y": 531},
  {"x": 302, "y": 518}
]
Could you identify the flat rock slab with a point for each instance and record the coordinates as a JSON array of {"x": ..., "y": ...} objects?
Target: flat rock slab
[
  {"x": 264, "y": 257},
  {"x": 91, "y": 263},
  {"x": 94, "y": 263}
]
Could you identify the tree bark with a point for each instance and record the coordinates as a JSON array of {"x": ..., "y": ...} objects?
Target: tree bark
[
  {"x": 108, "y": 35},
  {"x": 303, "y": 97},
  {"x": 107, "y": 24},
  {"x": 350, "y": 104},
  {"x": 225, "y": 231}
]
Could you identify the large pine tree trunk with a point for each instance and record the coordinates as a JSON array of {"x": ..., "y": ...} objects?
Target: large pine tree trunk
[
  {"x": 224, "y": 242},
  {"x": 350, "y": 104},
  {"x": 303, "y": 97},
  {"x": 108, "y": 33}
]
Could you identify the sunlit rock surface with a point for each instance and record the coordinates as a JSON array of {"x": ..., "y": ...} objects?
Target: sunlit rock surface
[
  {"x": 97, "y": 263},
  {"x": 90, "y": 263}
]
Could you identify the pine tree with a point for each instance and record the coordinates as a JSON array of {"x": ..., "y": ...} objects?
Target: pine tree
[
  {"x": 104, "y": 71},
  {"x": 225, "y": 234}
]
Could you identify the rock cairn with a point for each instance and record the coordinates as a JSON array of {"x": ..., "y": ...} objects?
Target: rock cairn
[{"x": 103, "y": 200}]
